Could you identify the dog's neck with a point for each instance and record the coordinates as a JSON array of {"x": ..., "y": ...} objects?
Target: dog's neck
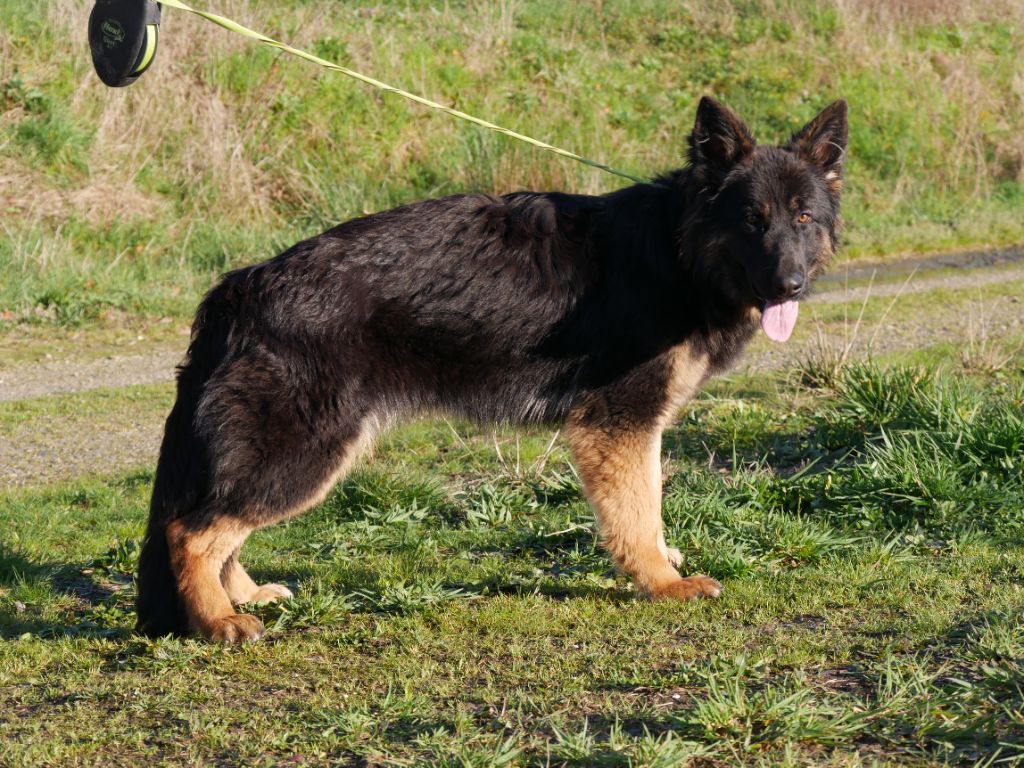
[{"x": 708, "y": 278}]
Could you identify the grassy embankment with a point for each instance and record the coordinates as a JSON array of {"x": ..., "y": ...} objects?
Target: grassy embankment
[{"x": 130, "y": 202}]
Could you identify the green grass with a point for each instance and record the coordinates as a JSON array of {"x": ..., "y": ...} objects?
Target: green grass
[
  {"x": 132, "y": 201},
  {"x": 87, "y": 408},
  {"x": 452, "y": 606}
]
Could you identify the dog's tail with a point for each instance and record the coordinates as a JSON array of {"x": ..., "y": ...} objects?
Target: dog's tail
[{"x": 182, "y": 473}]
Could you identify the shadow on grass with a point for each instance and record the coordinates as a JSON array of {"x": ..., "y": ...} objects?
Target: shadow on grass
[
  {"x": 783, "y": 452},
  {"x": 529, "y": 586},
  {"x": 99, "y": 599}
]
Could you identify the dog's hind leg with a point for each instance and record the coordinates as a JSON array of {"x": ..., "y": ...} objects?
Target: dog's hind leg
[
  {"x": 275, "y": 445},
  {"x": 242, "y": 589},
  {"x": 200, "y": 545},
  {"x": 204, "y": 544},
  {"x": 621, "y": 474}
]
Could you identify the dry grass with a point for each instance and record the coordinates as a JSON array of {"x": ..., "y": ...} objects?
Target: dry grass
[
  {"x": 213, "y": 134},
  {"x": 829, "y": 355},
  {"x": 985, "y": 352},
  {"x": 896, "y": 13},
  {"x": 177, "y": 107}
]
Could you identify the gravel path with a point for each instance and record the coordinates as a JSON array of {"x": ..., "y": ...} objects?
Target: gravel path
[
  {"x": 48, "y": 448},
  {"x": 57, "y": 376},
  {"x": 919, "y": 284},
  {"x": 1001, "y": 317}
]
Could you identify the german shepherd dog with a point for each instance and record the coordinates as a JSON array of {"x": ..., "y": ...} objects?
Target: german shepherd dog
[{"x": 603, "y": 314}]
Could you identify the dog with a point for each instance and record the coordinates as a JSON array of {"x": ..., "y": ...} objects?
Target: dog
[{"x": 603, "y": 314}]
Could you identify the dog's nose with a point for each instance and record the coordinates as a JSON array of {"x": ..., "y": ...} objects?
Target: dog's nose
[{"x": 789, "y": 285}]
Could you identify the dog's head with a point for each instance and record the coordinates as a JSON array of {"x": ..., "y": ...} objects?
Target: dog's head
[{"x": 773, "y": 210}]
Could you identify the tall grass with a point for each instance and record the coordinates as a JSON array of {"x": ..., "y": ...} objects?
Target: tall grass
[
  {"x": 896, "y": 449},
  {"x": 226, "y": 151}
]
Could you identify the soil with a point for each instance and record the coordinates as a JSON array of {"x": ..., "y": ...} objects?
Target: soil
[
  {"x": 994, "y": 319},
  {"x": 49, "y": 449}
]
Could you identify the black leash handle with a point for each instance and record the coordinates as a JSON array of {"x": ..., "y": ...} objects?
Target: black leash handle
[{"x": 123, "y": 37}]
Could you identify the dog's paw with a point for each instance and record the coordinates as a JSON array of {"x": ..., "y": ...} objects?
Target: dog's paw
[
  {"x": 674, "y": 556},
  {"x": 269, "y": 593},
  {"x": 237, "y": 628},
  {"x": 688, "y": 589}
]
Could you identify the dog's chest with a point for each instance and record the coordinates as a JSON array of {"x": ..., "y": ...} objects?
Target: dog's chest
[{"x": 688, "y": 367}]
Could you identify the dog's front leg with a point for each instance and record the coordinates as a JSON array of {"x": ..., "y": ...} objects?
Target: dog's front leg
[{"x": 621, "y": 474}]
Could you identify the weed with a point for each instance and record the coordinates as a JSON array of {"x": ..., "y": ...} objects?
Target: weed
[
  {"x": 311, "y": 608},
  {"x": 750, "y": 717},
  {"x": 585, "y": 748},
  {"x": 983, "y": 353},
  {"x": 404, "y": 597},
  {"x": 121, "y": 559},
  {"x": 491, "y": 504},
  {"x": 16, "y": 93}
]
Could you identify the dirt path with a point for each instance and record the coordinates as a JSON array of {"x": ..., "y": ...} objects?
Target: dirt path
[
  {"x": 50, "y": 448},
  {"x": 58, "y": 376},
  {"x": 919, "y": 283},
  {"x": 126, "y": 434},
  {"x": 971, "y": 321},
  {"x": 1001, "y": 317}
]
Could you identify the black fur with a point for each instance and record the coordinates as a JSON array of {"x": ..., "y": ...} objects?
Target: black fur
[{"x": 502, "y": 309}]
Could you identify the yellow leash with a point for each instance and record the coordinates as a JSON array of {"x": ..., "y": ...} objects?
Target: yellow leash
[{"x": 234, "y": 26}]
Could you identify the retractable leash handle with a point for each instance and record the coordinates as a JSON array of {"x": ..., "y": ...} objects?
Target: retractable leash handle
[{"x": 123, "y": 36}]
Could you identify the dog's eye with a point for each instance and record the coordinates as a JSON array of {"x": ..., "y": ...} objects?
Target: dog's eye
[{"x": 804, "y": 217}]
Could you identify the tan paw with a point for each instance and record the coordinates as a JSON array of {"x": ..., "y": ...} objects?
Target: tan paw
[
  {"x": 688, "y": 589},
  {"x": 237, "y": 628},
  {"x": 269, "y": 593},
  {"x": 674, "y": 556}
]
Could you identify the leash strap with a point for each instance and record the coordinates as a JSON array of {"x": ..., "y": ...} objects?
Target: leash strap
[{"x": 234, "y": 26}]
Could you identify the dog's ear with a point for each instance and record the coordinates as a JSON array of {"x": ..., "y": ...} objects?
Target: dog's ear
[
  {"x": 822, "y": 142},
  {"x": 719, "y": 138}
]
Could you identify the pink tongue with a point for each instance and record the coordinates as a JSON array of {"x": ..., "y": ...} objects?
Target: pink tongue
[{"x": 778, "y": 318}]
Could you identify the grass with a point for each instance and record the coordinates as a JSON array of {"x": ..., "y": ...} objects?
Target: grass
[
  {"x": 452, "y": 607},
  {"x": 89, "y": 408},
  {"x": 107, "y": 195}
]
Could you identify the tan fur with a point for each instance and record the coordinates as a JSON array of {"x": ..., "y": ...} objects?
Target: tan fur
[
  {"x": 242, "y": 589},
  {"x": 621, "y": 474},
  {"x": 689, "y": 370},
  {"x": 673, "y": 555},
  {"x": 197, "y": 558},
  {"x": 212, "y": 580},
  {"x": 236, "y": 582},
  {"x": 822, "y": 262}
]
